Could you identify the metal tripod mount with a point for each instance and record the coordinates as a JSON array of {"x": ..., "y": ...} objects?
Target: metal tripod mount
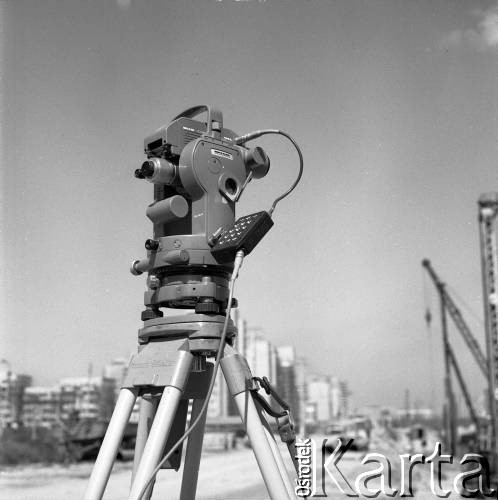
[{"x": 198, "y": 172}]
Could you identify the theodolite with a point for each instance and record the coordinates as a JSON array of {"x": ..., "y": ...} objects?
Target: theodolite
[{"x": 199, "y": 171}]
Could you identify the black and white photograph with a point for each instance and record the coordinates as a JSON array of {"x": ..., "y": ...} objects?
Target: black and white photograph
[{"x": 248, "y": 249}]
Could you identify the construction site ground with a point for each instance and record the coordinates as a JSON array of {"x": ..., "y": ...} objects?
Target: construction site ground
[{"x": 223, "y": 475}]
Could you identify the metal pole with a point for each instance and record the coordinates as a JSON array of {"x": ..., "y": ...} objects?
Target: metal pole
[
  {"x": 465, "y": 391},
  {"x": 451, "y": 425},
  {"x": 109, "y": 449},
  {"x": 239, "y": 381},
  {"x": 487, "y": 246},
  {"x": 193, "y": 453},
  {"x": 262, "y": 451},
  {"x": 148, "y": 405},
  {"x": 276, "y": 453},
  {"x": 161, "y": 426}
]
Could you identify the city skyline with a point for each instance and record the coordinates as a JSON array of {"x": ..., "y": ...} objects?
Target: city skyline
[
  {"x": 316, "y": 399},
  {"x": 9, "y": 365},
  {"x": 393, "y": 103}
]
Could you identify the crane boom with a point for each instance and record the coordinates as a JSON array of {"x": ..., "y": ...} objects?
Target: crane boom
[
  {"x": 463, "y": 387},
  {"x": 458, "y": 320}
]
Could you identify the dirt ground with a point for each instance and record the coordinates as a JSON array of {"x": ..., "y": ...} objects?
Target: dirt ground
[{"x": 222, "y": 476}]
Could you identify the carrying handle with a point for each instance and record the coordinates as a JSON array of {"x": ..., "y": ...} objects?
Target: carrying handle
[{"x": 214, "y": 118}]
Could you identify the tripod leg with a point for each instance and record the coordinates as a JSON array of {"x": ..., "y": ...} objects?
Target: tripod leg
[
  {"x": 148, "y": 405},
  {"x": 276, "y": 452},
  {"x": 109, "y": 449},
  {"x": 193, "y": 454},
  {"x": 238, "y": 377},
  {"x": 162, "y": 423}
]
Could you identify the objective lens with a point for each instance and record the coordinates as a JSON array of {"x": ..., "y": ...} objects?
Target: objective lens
[{"x": 147, "y": 168}]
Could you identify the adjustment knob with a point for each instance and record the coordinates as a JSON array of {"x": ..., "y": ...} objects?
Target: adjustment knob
[
  {"x": 150, "y": 313},
  {"x": 153, "y": 282},
  {"x": 257, "y": 162},
  {"x": 151, "y": 244}
]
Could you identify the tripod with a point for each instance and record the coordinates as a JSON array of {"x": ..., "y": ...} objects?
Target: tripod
[
  {"x": 199, "y": 171},
  {"x": 169, "y": 370}
]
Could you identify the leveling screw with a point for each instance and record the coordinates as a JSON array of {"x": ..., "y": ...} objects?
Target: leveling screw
[{"x": 151, "y": 244}]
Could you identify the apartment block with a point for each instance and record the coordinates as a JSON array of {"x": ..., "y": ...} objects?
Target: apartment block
[
  {"x": 287, "y": 380},
  {"x": 41, "y": 406},
  {"x": 87, "y": 398},
  {"x": 12, "y": 387},
  {"x": 319, "y": 399},
  {"x": 261, "y": 356}
]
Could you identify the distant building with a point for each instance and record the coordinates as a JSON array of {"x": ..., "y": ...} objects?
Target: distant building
[
  {"x": 41, "y": 406},
  {"x": 415, "y": 413},
  {"x": 319, "y": 399},
  {"x": 12, "y": 387},
  {"x": 261, "y": 356},
  {"x": 116, "y": 370},
  {"x": 89, "y": 397},
  {"x": 287, "y": 380},
  {"x": 374, "y": 412},
  {"x": 302, "y": 390},
  {"x": 218, "y": 403},
  {"x": 335, "y": 397},
  {"x": 310, "y": 414},
  {"x": 345, "y": 409},
  {"x": 71, "y": 399}
]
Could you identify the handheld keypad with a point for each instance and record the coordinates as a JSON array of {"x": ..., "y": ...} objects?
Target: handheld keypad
[{"x": 244, "y": 235}]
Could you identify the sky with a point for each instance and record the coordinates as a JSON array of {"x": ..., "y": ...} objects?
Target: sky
[{"x": 394, "y": 105}]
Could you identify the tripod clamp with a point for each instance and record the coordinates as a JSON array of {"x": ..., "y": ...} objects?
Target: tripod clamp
[{"x": 285, "y": 424}]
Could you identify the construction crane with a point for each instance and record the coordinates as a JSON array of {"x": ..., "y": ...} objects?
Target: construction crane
[
  {"x": 458, "y": 320},
  {"x": 488, "y": 210},
  {"x": 463, "y": 387},
  {"x": 449, "y": 306}
]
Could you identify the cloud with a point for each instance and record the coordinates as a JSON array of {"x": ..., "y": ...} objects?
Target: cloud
[
  {"x": 123, "y": 4},
  {"x": 489, "y": 27},
  {"x": 483, "y": 37}
]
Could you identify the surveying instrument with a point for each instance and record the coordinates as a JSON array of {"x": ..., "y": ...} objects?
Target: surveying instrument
[{"x": 199, "y": 170}]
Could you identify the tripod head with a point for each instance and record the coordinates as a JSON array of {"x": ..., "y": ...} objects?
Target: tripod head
[{"x": 199, "y": 172}]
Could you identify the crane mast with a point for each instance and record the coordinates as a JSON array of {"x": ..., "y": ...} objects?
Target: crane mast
[
  {"x": 448, "y": 306},
  {"x": 488, "y": 213},
  {"x": 488, "y": 210}
]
